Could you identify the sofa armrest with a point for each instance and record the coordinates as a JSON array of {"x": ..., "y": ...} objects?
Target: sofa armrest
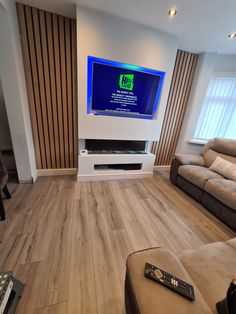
[
  {"x": 187, "y": 159},
  {"x": 175, "y": 164},
  {"x": 184, "y": 159}
]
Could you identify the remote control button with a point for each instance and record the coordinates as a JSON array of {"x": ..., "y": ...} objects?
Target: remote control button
[{"x": 158, "y": 273}]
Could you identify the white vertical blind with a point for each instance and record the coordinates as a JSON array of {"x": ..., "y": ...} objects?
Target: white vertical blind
[{"x": 218, "y": 114}]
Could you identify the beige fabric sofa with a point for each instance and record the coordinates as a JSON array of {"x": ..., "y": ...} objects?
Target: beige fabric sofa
[
  {"x": 191, "y": 173},
  {"x": 209, "y": 268}
]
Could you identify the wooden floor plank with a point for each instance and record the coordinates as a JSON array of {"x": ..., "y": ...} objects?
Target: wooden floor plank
[
  {"x": 59, "y": 308},
  {"x": 109, "y": 296},
  {"x": 68, "y": 241},
  {"x": 55, "y": 279},
  {"x": 81, "y": 277}
]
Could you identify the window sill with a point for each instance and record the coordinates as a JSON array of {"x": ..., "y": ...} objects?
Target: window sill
[{"x": 197, "y": 142}]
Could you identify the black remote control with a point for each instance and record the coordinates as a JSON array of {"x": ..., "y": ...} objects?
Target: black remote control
[{"x": 169, "y": 281}]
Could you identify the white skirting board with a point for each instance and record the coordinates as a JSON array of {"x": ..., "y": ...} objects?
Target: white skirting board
[
  {"x": 54, "y": 172},
  {"x": 27, "y": 181},
  {"x": 155, "y": 168},
  {"x": 114, "y": 176},
  {"x": 91, "y": 177}
]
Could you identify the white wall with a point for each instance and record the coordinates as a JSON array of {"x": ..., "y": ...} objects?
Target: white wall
[
  {"x": 208, "y": 64},
  {"x": 105, "y": 36},
  {"x": 225, "y": 63},
  {"x": 14, "y": 89}
]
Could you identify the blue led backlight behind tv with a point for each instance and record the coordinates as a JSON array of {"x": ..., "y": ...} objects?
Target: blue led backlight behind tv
[{"x": 119, "y": 89}]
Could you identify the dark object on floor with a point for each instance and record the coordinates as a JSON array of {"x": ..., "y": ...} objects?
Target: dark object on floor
[
  {"x": 11, "y": 291},
  {"x": 9, "y": 160},
  {"x": 3, "y": 186},
  {"x": 192, "y": 174},
  {"x": 228, "y": 305},
  {"x": 143, "y": 296}
]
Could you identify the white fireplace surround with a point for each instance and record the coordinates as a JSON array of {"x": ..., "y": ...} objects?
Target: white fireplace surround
[{"x": 107, "y": 166}]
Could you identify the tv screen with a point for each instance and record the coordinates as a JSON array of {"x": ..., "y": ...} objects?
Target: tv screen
[{"x": 118, "y": 89}]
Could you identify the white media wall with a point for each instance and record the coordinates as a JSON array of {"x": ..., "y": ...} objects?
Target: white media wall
[{"x": 105, "y": 36}]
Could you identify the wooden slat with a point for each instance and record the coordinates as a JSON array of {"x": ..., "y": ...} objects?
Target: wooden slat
[
  {"x": 42, "y": 22},
  {"x": 29, "y": 26},
  {"x": 29, "y": 81},
  {"x": 69, "y": 89},
  {"x": 58, "y": 86},
  {"x": 74, "y": 91},
  {"x": 63, "y": 84},
  {"x": 53, "y": 88},
  {"x": 183, "y": 74}
]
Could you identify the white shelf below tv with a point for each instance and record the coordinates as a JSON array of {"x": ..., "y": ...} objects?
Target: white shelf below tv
[{"x": 87, "y": 171}]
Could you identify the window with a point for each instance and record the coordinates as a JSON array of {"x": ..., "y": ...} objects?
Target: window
[{"x": 218, "y": 114}]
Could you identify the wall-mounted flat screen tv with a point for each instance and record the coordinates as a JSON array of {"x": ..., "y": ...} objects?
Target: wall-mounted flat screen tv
[{"x": 123, "y": 90}]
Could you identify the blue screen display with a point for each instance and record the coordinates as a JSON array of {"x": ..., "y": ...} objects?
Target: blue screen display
[{"x": 118, "y": 89}]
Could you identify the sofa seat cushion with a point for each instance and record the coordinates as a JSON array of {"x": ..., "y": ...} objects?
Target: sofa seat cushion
[
  {"x": 198, "y": 175},
  {"x": 151, "y": 297},
  {"x": 212, "y": 268},
  {"x": 223, "y": 190},
  {"x": 232, "y": 242}
]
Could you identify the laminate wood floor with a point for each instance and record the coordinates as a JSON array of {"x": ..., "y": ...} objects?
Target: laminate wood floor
[{"x": 68, "y": 241}]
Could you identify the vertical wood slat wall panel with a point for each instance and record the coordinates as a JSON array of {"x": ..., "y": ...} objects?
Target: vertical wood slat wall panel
[
  {"x": 184, "y": 69},
  {"x": 49, "y": 54}
]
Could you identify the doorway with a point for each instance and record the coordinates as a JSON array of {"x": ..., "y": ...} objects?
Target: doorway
[{"x": 6, "y": 145}]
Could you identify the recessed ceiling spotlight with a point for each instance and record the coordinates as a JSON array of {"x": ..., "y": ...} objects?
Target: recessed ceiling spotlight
[
  {"x": 232, "y": 35},
  {"x": 172, "y": 12}
]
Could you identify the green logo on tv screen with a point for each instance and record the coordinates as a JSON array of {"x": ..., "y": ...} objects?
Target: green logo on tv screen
[{"x": 126, "y": 81}]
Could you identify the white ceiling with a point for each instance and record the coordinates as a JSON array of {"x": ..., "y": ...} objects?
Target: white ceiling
[{"x": 200, "y": 25}]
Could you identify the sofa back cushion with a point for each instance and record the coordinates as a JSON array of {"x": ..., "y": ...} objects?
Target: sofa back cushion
[
  {"x": 224, "y": 167},
  {"x": 212, "y": 268},
  {"x": 223, "y": 146},
  {"x": 211, "y": 155}
]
